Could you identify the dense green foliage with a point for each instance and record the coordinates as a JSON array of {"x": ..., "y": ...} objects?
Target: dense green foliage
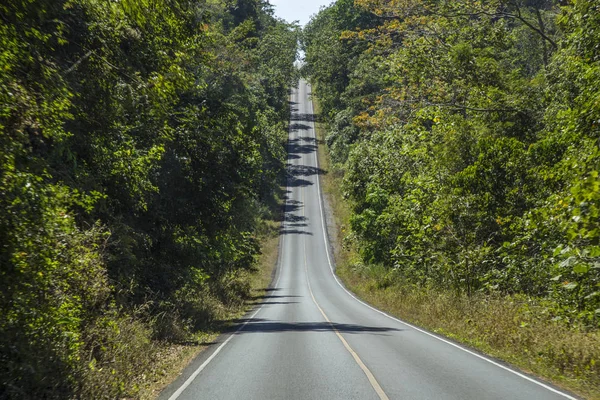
[
  {"x": 468, "y": 133},
  {"x": 140, "y": 143}
]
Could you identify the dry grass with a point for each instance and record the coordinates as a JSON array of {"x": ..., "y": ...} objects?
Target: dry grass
[
  {"x": 514, "y": 329},
  {"x": 170, "y": 360},
  {"x": 267, "y": 262}
]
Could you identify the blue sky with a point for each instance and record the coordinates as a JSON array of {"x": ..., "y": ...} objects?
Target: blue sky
[{"x": 292, "y": 10}]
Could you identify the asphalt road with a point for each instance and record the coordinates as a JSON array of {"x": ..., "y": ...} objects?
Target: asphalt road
[{"x": 311, "y": 339}]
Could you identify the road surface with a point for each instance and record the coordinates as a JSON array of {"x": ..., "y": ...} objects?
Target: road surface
[{"x": 311, "y": 339}]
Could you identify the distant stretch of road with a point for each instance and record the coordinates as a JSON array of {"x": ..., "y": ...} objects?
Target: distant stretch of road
[{"x": 311, "y": 339}]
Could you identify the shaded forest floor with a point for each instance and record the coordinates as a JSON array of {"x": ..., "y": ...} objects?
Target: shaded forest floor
[{"x": 513, "y": 329}]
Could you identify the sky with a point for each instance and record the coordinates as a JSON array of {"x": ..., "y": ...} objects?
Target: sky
[{"x": 294, "y": 10}]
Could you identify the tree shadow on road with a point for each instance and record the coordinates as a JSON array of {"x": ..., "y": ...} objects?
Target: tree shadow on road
[{"x": 255, "y": 325}]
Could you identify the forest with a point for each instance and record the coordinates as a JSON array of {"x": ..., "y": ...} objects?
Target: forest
[
  {"x": 467, "y": 138},
  {"x": 468, "y": 133},
  {"x": 141, "y": 145}
]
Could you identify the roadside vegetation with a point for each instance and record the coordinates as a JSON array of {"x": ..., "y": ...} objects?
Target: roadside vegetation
[
  {"x": 463, "y": 148},
  {"x": 142, "y": 145}
]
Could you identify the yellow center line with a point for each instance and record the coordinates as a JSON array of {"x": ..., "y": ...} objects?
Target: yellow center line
[{"x": 376, "y": 386}]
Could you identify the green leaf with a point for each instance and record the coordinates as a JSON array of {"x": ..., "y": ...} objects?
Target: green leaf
[
  {"x": 568, "y": 262},
  {"x": 557, "y": 250},
  {"x": 581, "y": 268}
]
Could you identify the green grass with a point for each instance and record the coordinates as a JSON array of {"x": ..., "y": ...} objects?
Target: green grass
[{"x": 511, "y": 328}]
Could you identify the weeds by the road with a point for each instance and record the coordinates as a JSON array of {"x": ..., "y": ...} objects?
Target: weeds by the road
[{"x": 515, "y": 329}]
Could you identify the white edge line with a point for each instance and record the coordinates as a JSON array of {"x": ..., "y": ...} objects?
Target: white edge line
[
  {"x": 326, "y": 239},
  {"x": 209, "y": 359},
  {"x": 191, "y": 378}
]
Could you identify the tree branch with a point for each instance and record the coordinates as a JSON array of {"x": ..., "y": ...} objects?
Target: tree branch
[
  {"x": 517, "y": 16},
  {"x": 76, "y": 64}
]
